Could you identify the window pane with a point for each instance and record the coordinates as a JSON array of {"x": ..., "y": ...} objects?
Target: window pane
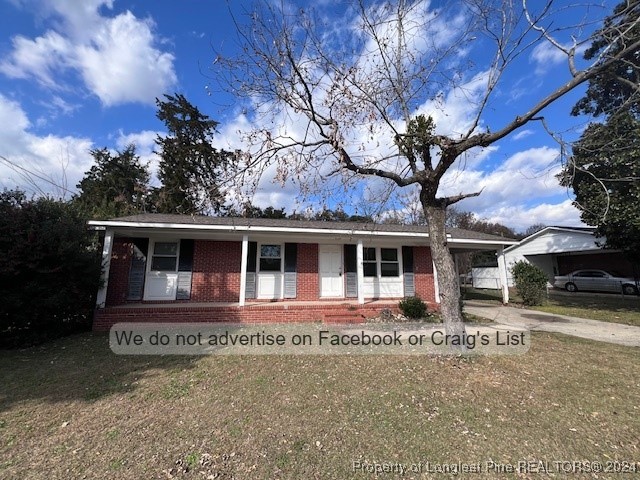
[
  {"x": 163, "y": 264},
  {"x": 389, "y": 254},
  {"x": 370, "y": 269},
  {"x": 269, "y": 264},
  {"x": 270, "y": 251},
  {"x": 389, "y": 269},
  {"x": 369, "y": 254},
  {"x": 165, "y": 248}
]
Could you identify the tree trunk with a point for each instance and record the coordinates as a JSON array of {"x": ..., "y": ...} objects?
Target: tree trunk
[{"x": 447, "y": 282}]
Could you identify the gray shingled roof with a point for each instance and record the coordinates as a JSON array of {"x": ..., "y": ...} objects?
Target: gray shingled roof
[{"x": 457, "y": 233}]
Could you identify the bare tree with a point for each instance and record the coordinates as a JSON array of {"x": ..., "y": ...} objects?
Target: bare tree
[
  {"x": 362, "y": 97},
  {"x": 535, "y": 228}
]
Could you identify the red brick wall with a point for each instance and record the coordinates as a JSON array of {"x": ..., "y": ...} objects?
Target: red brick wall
[
  {"x": 270, "y": 313},
  {"x": 216, "y": 271},
  {"x": 423, "y": 270},
  {"x": 118, "y": 285},
  {"x": 308, "y": 287}
]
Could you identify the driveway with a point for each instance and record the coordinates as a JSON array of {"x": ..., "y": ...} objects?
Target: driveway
[{"x": 548, "y": 322}]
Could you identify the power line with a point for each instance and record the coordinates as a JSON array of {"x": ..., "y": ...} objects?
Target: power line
[{"x": 14, "y": 165}]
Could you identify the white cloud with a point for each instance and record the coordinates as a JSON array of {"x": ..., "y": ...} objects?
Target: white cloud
[
  {"x": 274, "y": 197},
  {"x": 80, "y": 19},
  {"x": 39, "y": 164},
  {"x": 454, "y": 111},
  {"x": 520, "y": 217},
  {"x": 122, "y": 65},
  {"x": 116, "y": 57},
  {"x": 523, "y": 134},
  {"x": 427, "y": 31},
  {"x": 145, "y": 140},
  {"x": 546, "y": 55},
  {"x": 522, "y": 176},
  {"x": 39, "y": 58},
  {"x": 519, "y": 192}
]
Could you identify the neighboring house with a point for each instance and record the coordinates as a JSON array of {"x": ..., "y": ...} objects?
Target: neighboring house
[
  {"x": 182, "y": 268},
  {"x": 561, "y": 250}
]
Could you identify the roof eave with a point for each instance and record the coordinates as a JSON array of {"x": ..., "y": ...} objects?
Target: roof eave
[
  {"x": 105, "y": 224},
  {"x": 102, "y": 224},
  {"x": 542, "y": 232}
]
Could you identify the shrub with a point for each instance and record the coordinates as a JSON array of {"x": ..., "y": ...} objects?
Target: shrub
[
  {"x": 531, "y": 282},
  {"x": 413, "y": 307},
  {"x": 49, "y": 270}
]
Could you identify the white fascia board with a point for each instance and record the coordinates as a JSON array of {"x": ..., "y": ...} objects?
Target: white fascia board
[
  {"x": 261, "y": 229},
  {"x": 251, "y": 228}
]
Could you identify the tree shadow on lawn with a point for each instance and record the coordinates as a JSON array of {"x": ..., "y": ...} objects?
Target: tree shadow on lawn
[{"x": 79, "y": 367}]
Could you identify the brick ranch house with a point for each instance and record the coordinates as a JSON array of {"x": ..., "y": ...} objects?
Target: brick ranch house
[{"x": 182, "y": 268}]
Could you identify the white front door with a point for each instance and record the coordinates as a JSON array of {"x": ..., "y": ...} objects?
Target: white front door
[
  {"x": 162, "y": 274},
  {"x": 330, "y": 268}
]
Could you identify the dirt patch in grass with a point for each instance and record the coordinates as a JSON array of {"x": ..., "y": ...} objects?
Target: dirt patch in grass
[{"x": 72, "y": 409}]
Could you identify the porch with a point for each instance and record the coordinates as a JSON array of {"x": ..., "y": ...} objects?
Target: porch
[
  {"x": 179, "y": 268},
  {"x": 321, "y": 311}
]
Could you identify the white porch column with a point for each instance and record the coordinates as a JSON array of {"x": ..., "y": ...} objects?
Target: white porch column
[
  {"x": 360, "y": 271},
  {"x": 502, "y": 271},
  {"x": 243, "y": 270},
  {"x": 101, "y": 298},
  {"x": 436, "y": 287}
]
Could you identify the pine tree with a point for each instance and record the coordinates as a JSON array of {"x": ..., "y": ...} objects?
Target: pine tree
[
  {"x": 115, "y": 186},
  {"x": 604, "y": 170},
  {"x": 189, "y": 165}
]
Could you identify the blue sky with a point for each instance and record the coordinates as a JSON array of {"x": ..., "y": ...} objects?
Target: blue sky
[{"x": 76, "y": 75}]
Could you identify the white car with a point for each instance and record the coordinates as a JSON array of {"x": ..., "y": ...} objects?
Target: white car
[{"x": 596, "y": 280}]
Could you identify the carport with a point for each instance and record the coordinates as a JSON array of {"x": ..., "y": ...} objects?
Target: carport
[
  {"x": 561, "y": 250},
  {"x": 458, "y": 246}
]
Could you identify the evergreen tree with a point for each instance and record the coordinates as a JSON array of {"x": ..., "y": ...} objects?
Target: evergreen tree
[
  {"x": 117, "y": 185},
  {"x": 189, "y": 165},
  {"x": 616, "y": 87},
  {"x": 604, "y": 170},
  {"x": 605, "y": 176}
]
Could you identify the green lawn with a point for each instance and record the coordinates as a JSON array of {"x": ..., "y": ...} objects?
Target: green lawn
[
  {"x": 606, "y": 308},
  {"x": 73, "y": 409}
]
